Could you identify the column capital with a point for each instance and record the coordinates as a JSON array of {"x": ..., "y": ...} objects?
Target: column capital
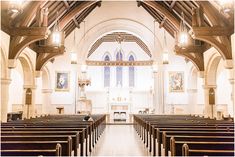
[
  {"x": 201, "y": 74},
  {"x": 228, "y": 63},
  {"x": 232, "y": 81},
  {"x": 192, "y": 90},
  {"x": 5, "y": 81},
  {"x": 12, "y": 63},
  {"x": 209, "y": 86},
  {"x": 30, "y": 86},
  {"x": 47, "y": 90},
  {"x": 38, "y": 74}
]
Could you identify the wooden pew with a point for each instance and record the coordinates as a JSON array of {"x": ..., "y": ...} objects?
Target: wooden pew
[
  {"x": 147, "y": 126},
  {"x": 186, "y": 151},
  {"x": 52, "y": 125},
  {"x": 174, "y": 150},
  {"x": 77, "y": 137},
  {"x": 35, "y": 152},
  {"x": 66, "y": 146}
]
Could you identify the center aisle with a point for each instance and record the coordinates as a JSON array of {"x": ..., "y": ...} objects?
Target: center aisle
[{"x": 120, "y": 140}]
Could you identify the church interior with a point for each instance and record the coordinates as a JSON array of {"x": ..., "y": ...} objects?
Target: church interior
[{"x": 117, "y": 78}]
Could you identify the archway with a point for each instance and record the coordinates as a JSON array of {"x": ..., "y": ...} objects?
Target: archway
[
  {"x": 46, "y": 91},
  {"x": 192, "y": 90},
  {"x": 210, "y": 83},
  {"x": 5, "y": 81},
  {"x": 28, "y": 83}
]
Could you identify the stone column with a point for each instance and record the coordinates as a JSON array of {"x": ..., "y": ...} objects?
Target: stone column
[
  {"x": 192, "y": 100},
  {"x": 232, "y": 99},
  {"x": 29, "y": 108},
  {"x": 155, "y": 102},
  {"x": 46, "y": 96},
  {"x": 159, "y": 91},
  {"x": 4, "y": 98},
  {"x": 209, "y": 110}
]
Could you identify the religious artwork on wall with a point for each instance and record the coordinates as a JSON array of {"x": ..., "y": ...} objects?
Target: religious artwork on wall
[
  {"x": 176, "y": 81},
  {"x": 62, "y": 81}
]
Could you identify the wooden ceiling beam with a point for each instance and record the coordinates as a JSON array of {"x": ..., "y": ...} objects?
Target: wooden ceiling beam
[
  {"x": 43, "y": 58},
  {"x": 193, "y": 55},
  {"x": 171, "y": 7},
  {"x": 218, "y": 36},
  {"x": 73, "y": 12},
  {"x": 162, "y": 23},
  {"x": 165, "y": 12},
  {"x": 213, "y": 31},
  {"x": 76, "y": 23},
  {"x": 29, "y": 31},
  {"x": 26, "y": 18},
  {"x": 213, "y": 15},
  {"x": 66, "y": 4}
]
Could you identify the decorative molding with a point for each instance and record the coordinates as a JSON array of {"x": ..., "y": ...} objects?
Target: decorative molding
[
  {"x": 119, "y": 63},
  {"x": 209, "y": 86},
  {"x": 30, "y": 86},
  {"x": 192, "y": 90},
  {"x": 5, "y": 81},
  {"x": 47, "y": 90}
]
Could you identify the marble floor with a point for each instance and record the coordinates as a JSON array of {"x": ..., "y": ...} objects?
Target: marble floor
[{"x": 120, "y": 140}]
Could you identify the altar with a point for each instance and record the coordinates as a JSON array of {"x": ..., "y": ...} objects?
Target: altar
[
  {"x": 119, "y": 111},
  {"x": 119, "y": 103}
]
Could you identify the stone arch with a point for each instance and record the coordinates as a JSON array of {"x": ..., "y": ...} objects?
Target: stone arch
[
  {"x": 118, "y": 24},
  {"x": 46, "y": 78},
  {"x": 211, "y": 69},
  {"x": 46, "y": 91},
  {"x": 28, "y": 69},
  {"x": 192, "y": 79},
  {"x": 5, "y": 82},
  {"x": 3, "y": 64},
  {"x": 28, "y": 83},
  {"x": 210, "y": 83}
]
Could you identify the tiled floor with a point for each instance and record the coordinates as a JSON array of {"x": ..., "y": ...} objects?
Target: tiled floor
[{"x": 120, "y": 140}]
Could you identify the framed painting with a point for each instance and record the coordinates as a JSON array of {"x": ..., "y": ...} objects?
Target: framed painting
[
  {"x": 62, "y": 81},
  {"x": 176, "y": 81}
]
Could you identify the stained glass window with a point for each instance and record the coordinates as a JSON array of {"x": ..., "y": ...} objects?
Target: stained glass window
[
  {"x": 131, "y": 73},
  {"x": 106, "y": 73},
  {"x": 119, "y": 69}
]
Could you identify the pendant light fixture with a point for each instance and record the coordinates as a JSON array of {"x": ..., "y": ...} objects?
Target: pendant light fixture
[
  {"x": 154, "y": 65},
  {"x": 56, "y": 34},
  {"x": 73, "y": 53},
  {"x": 84, "y": 66},
  {"x": 183, "y": 34},
  {"x": 15, "y": 6},
  {"x": 165, "y": 57}
]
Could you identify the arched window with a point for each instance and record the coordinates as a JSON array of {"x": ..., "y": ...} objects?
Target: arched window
[
  {"x": 119, "y": 69},
  {"x": 106, "y": 73},
  {"x": 131, "y": 73}
]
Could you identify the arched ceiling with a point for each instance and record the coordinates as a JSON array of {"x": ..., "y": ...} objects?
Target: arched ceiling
[
  {"x": 125, "y": 37},
  {"x": 204, "y": 20}
]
